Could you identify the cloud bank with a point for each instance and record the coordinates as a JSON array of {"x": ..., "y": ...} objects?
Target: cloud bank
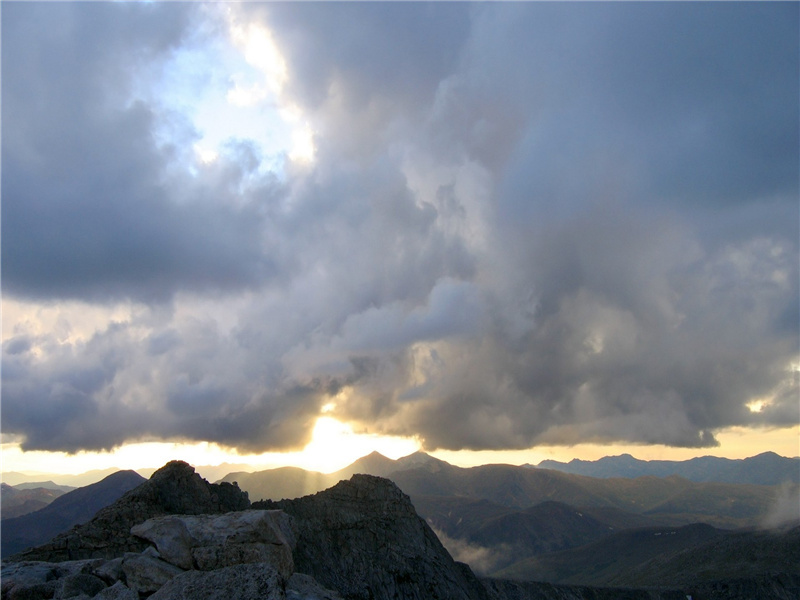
[{"x": 522, "y": 224}]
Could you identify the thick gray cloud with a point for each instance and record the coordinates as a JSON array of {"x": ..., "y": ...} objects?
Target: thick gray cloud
[
  {"x": 90, "y": 209},
  {"x": 524, "y": 223}
]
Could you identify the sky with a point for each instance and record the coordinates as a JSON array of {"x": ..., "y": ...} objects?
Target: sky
[{"x": 296, "y": 232}]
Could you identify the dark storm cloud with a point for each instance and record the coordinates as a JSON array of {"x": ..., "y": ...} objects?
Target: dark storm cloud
[
  {"x": 646, "y": 228},
  {"x": 89, "y": 208},
  {"x": 525, "y": 223},
  {"x": 97, "y": 394}
]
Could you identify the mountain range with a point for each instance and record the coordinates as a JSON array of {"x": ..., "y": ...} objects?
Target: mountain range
[
  {"x": 671, "y": 500},
  {"x": 363, "y": 538},
  {"x": 767, "y": 468},
  {"x": 26, "y": 498},
  {"x": 518, "y": 522}
]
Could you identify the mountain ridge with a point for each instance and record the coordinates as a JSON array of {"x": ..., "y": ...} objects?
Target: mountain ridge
[
  {"x": 64, "y": 512},
  {"x": 364, "y": 539},
  {"x": 767, "y": 468}
]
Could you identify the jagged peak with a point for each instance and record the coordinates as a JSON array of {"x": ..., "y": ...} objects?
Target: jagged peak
[{"x": 173, "y": 468}]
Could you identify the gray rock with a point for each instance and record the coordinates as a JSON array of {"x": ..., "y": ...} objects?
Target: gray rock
[
  {"x": 26, "y": 574},
  {"x": 305, "y": 587},
  {"x": 36, "y": 579},
  {"x": 110, "y": 570},
  {"x": 76, "y": 584},
  {"x": 208, "y": 542},
  {"x": 118, "y": 591},
  {"x": 34, "y": 591},
  {"x": 254, "y": 581},
  {"x": 171, "y": 537},
  {"x": 147, "y": 574}
]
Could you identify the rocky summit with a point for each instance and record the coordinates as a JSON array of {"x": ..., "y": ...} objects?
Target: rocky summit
[
  {"x": 174, "y": 489},
  {"x": 363, "y": 538}
]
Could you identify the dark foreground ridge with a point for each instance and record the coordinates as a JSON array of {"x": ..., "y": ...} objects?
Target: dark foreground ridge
[{"x": 178, "y": 537}]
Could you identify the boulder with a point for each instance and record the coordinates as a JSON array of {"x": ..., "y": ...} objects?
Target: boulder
[
  {"x": 33, "y": 591},
  {"x": 147, "y": 574},
  {"x": 118, "y": 591},
  {"x": 254, "y": 581},
  {"x": 305, "y": 587},
  {"x": 78, "y": 584},
  {"x": 207, "y": 542},
  {"x": 36, "y": 579}
]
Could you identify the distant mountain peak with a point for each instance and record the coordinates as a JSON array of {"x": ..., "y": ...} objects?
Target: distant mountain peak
[{"x": 376, "y": 455}]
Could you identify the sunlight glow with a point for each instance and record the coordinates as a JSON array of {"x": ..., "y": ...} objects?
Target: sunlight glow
[
  {"x": 333, "y": 446},
  {"x": 259, "y": 50},
  {"x": 227, "y": 91},
  {"x": 756, "y": 406},
  {"x": 205, "y": 155},
  {"x": 302, "y": 145}
]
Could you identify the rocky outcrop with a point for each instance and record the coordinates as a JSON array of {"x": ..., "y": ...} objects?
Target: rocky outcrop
[
  {"x": 305, "y": 587},
  {"x": 241, "y": 555},
  {"x": 173, "y": 489},
  {"x": 208, "y": 542},
  {"x": 364, "y": 539},
  {"x": 256, "y": 581}
]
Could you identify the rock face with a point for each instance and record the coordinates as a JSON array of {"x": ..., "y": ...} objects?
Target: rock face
[
  {"x": 256, "y": 581},
  {"x": 243, "y": 555},
  {"x": 364, "y": 539},
  {"x": 173, "y": 489},
  {"x": 136, "y": 576},
  {"x": 208, "y": 542}
]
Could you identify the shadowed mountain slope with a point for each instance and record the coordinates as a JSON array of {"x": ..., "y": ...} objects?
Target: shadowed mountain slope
[
  {"x": 18, "y": 501},
  {"x": 68, "y": 510},
  {"x": 667, "y": 557}
]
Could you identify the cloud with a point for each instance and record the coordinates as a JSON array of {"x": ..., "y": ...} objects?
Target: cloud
[
  {"x": 91, "y": 207},
  {"x": 785, "y": 509},
  {"x": 523, "y": 224},
  {"x": 482, "y": 559}
]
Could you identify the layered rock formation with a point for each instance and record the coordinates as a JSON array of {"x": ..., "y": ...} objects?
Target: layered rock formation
[
  {"x": 364, "y": 539},
  {"x": 174, "y": 489}
]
